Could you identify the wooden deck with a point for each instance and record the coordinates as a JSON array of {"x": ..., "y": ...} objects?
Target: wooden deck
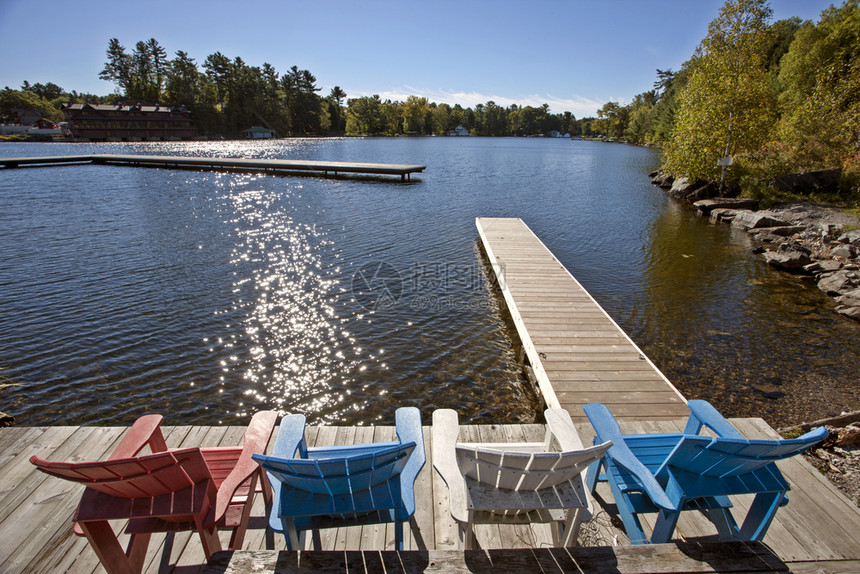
[
  {"x": 578, "y": 353},
  {"x": 274, "y": 166},
  {"x": 819, "y": 528}
]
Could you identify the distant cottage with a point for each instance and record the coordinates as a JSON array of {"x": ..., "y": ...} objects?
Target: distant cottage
[
  {"x": 119, "y": 122},
  {"x": 459, "y": 131},
  {"x": 258, "y": 132}
]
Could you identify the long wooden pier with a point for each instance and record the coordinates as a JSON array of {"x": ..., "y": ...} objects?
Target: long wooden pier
[
  {"x": 578, "y": 353},
  {"x": 273, "y": 166},
  {"x": 816, "y": 532}
]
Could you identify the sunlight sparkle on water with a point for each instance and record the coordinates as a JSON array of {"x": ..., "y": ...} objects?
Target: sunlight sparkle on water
[{"x": 282, "y": 286}]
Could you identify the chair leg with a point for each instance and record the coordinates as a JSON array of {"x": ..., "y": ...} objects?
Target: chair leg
[
  {"x": 113, "y": 558},
  {"x": 290, "y": 535},
  {"x": 593, "y": 474},
  {"x": 266, "y": 488},
  {"x": 398, "y": 535},
  {"x": 571, "y": 527},
  {"x": 664, "y": 526},
  {"x": 467, "y": 534},
  {"x": 760, "y": 515},
  {"x": 631, "y": 522},
  {"x": 727, "y": 528},
  {"x": 210, "y": 540},
  {"x": 137, "y": 547},
  {"x": 238, "y": 535}
]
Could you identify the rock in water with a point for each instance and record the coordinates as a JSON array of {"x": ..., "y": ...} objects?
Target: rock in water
[{"x": 790, "y": 260}]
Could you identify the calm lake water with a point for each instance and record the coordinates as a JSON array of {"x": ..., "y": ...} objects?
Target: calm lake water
[{"x": 208, "y": 296}]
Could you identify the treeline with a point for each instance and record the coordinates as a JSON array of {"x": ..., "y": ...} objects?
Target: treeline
[
  {"x": 227, "y": 95},
  {"x": 418, "y": 116},
  {"x": 776, "y": 98}
]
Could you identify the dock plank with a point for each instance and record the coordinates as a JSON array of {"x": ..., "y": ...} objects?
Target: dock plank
[
  {"x": 564, "y": 330},
  {"x": 33, "y": 524}
]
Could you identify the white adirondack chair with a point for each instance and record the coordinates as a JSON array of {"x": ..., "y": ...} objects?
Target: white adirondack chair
[{"x": 516, "y": 483}]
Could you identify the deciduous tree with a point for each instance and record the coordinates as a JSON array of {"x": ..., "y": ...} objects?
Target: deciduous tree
[{"x": 727, "y": 107}]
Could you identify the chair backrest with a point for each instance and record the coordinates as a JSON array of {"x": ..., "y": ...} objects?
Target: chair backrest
[
  {"x": 139, "y": 477},
  {"x": 728, "y": 457},
  {"x": 340, "y": 476},
  {"x": 522, "y": 471}
]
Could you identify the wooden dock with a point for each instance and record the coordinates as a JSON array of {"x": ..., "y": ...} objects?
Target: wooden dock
[
  {"x": 578, "y": 353},
  {"x": 271, "y": 166},
  {"x": 819, "y": 531}
]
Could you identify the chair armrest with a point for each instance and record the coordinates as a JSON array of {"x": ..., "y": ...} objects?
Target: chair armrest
[
  {"x": 145, "y": 431},
  {"x": 608, "y": 430},
  {"x": 256, "y": 440},
  {"x": 561, "y": 426},
  {"x": 407, "y": 421},
  {"x": 446, "y": 431},
  {"x": 703, "y": 413}
]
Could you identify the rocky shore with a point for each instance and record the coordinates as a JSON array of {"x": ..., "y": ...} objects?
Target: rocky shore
[
  {"x": 838, "y": 456},
  {"x": 813, "y": 240}
]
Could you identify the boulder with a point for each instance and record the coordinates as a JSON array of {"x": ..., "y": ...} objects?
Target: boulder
[
  {"x": 852, "y": 237},
  {"x": 683, "y": 187},
  {"x": 706, "y": 206},
  {"x": 795, "y": 246},
  {"x": 848, "y": 311},
  {"x": 851, "y": 298},
  {"x": 785, "y": 230},
  {"x": 829, "y": 231},
  {"x": 837, "y": 283},
  {"x": 768, "y": 237},
  {"x": 830, "y": 265},
  {"x": 753, "y": 219},
  {"x": 814, "y": 181},
  {"x": 844, "y": 250},
  {"x": 789, "y": 260},
  {"x": 707, "y": 191},
  {"x": 722, "y": 214},
  {"x": 663, "y": 180}
]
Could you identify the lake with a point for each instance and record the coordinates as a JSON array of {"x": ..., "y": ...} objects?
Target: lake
[{"x": 207, "y": 296}]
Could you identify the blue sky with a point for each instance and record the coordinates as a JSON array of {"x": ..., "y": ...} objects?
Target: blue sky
[{"x": 573, "y": 55}]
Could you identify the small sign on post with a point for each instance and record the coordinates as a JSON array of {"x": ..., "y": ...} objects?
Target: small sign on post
[{"x": 723, "y": 162}]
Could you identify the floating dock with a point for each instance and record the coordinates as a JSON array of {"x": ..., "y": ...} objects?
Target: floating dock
[
  {"x": 273, "y": 166},
  {"x": 816, "y": 532},
  {"x": 578, "y": 353}
]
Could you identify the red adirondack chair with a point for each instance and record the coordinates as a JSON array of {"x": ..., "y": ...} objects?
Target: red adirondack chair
[{"x": 200, "y": 489}]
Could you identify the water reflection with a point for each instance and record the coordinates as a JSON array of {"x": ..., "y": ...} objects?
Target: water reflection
[
  {"x": 285, "y": 281},
  {"x": 726, "y": 328}
]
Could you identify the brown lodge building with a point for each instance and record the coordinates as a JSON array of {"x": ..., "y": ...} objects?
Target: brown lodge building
[{"x": 119, "y": 122}]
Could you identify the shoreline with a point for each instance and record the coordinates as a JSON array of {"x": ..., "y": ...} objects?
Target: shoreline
[{"x": 817, "y": 242}]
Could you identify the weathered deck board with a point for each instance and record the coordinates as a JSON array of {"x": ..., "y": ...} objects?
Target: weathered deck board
[
  {"x": 578, "y": 353},
  {"x": 654, "y": 559},
  {"x": 219, "y": 163},
  {"x": 818, "y": 525}
]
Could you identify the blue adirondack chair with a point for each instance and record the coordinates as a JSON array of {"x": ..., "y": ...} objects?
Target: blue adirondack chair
[
  {"x": 671, "y": 473},
  {"x": 328, "y": 487}
]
